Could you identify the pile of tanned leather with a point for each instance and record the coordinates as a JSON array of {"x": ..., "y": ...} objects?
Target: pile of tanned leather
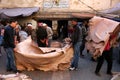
[
  {"x": 99, "y": 33},
  {"x": 29, "y": 56},
  {"x": 16, "y": 76},
  {"x": 116, "y": 77}
]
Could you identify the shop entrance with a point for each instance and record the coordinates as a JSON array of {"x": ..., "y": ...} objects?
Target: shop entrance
[
  {"x": 62, "y": 28},
  {"x": 48, "y": 22}
]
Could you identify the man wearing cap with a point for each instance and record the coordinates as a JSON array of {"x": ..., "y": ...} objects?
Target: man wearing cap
[
  {"x": 41, "y": 35},
  {"x": 49, "y": 33},
  {"x": 29, "y": 29}
]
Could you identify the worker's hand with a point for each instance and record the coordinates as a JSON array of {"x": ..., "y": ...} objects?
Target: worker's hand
[
  {"x": 15, "y": 49},
  {"x": 16, "y": 42}
]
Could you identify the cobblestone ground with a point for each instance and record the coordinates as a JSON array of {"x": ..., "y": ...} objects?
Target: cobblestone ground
[{"x": 85, "y": 72}]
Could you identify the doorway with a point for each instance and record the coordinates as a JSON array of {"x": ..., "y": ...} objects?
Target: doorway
[
  {"x": 48, "y": 22},
  {"x": 62, "y": 28}
]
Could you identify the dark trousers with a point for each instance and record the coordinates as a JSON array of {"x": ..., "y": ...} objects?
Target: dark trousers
[
  {"x": 119, "y": 55},
  {"x": 107, "y": 55},
  {"x": 82, "y": 46}
]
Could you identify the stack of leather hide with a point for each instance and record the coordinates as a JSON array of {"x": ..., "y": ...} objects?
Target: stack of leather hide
[
  {"x": 16, "y": 76},
  {"x": 99, "y": 33},
  {"x": 116, "y": 77},
  {"x": 30, "y": 57}
]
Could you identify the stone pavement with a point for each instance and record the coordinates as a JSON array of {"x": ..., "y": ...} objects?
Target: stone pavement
[{"x": 85, "y": 72}]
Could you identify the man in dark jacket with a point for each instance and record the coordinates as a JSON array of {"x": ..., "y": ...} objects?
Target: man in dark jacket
[
  {"x": 76, "y": 41},
  {"x": 41, "y": 34},
  {"x": 9, "y": 45}
]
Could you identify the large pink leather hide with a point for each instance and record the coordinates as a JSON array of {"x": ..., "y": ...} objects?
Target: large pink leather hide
[
  {"x": 99, "y": 29},
  {"x": 30, "y": 57}
]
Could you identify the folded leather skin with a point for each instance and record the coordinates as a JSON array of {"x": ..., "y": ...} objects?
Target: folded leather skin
[{"x": 29, "y": 56}]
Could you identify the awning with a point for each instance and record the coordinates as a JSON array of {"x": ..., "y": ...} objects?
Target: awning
[
  {"x": 3, "y": 16},
  {"x": 114, "y": 10},
  {"x": 53, "y": 16},
  {"x": 64, "y": 15},
  {"x": 83, "y": 15},
  {"x": 14, "y": 12}
]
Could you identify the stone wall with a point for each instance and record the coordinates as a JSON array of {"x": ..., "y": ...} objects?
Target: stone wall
[{"x": 64, "y": 5}]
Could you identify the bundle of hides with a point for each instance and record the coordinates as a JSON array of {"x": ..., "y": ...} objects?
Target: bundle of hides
[
  {"x": 30, "y": 57},
  {"x": 16, "y": 76},
  {"x": 99, "y": 33},
  {"x": 116, "y": 77}
]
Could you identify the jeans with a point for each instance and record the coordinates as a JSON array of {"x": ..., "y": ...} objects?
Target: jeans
[
  {"x": 10, "y": 59},
  {"x": 76, "y": 54}
]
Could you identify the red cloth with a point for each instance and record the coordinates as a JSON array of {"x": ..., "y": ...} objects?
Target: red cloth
[
  {"x": 107, "y": 47},
  {"x": 70, "y": 30}
]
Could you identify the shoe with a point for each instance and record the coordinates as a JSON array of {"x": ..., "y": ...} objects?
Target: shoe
[
  {"x": 92, "y": 59},
  {"x": 109, "y": 73},
  {"x": 98, "y": 74},
  {"x": 17, "y": 71},
  {"x": 72, "y": 68},
  {"x": 81, "y": 55},
  {"x": 8, "y": 70}
]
